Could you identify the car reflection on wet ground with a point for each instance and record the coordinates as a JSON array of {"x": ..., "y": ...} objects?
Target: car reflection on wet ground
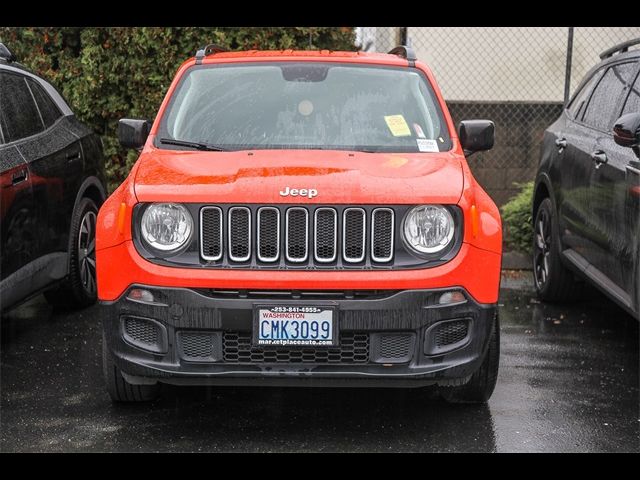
[{"x": 568, "y": 382}]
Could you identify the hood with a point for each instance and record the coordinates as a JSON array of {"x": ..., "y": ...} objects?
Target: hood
[{"x": 338, "y": 177}]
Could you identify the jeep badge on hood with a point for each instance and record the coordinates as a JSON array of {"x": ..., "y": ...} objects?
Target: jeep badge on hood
[{"x": 303, "y": 192}]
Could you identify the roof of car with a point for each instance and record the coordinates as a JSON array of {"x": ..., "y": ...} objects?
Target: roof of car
[
  {"x": 300, "y": 53},
  {"x": 621, "y": 48},
  {"x": 608, "y": 57},
  {"x": 621, "y": 56},
  {"x": 16, "y": 65},
  {"x": 613, "y": 57},
  {"x": 369, "y": 57}
]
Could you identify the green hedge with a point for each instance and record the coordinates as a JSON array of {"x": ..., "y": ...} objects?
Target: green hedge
[
  {"x": 109, "y": 73},
  {"x": 516, "y": 219}
]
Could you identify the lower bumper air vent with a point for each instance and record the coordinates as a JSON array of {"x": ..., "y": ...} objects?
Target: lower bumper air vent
[{"x": 145, "y": 333}]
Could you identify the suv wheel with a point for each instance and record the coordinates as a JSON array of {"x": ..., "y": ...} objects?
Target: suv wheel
[
  {"x": 482, "y": 383},
  {"x": 553, "y": 281},
  {"x": 79, "y": 289},
  {"x": 119, "y": 389}
]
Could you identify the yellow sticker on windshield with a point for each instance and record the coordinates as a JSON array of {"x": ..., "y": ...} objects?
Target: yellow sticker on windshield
[{"x": 398, "y": 125}]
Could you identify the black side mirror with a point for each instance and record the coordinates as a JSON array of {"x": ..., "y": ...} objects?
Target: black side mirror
[
  {"x": 476, "y": 135},
  {"x": 626, "y": 132},
  {"x": 133, "y": 133}
]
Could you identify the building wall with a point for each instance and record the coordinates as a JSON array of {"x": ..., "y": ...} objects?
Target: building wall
[
  {"x": 510, "y": 64},
  {"x": 377, "y": 39}
]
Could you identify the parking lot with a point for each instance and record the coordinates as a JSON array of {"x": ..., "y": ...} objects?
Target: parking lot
[{"x": 568, "y": 382}]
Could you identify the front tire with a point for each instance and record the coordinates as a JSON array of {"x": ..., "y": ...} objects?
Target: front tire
[
  {"x": 553, "y": 281},
  {"x": 482, "y": 383},
  {"x": 79, "y": 288},
  {"x": 119, "y": 389}
]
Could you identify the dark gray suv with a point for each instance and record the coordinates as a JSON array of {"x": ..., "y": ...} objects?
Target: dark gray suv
[
  {"x": 586, "y": 206},
  {"x": 52, "y": 184}
]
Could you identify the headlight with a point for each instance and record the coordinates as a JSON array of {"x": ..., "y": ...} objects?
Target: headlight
[
  {"x": 428, "y": 229},
  {"x": 166, "y": 226}
]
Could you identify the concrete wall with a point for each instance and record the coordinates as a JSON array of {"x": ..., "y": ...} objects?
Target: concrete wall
[
  {"x": 524, "y": 64},
  {"x": 377, "y": 39}
]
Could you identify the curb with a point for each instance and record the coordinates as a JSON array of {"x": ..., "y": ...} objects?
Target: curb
[{"x": 516, "y": 261}]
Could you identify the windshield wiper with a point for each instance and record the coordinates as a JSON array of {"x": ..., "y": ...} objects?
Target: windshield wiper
[
  {"x": 367, "y": 150},
  {"x": 196, "y": 145}
]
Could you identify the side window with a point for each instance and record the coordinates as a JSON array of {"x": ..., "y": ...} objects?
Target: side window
[
  {"x": 633, "y": 100},
  {"x": 20, "y": 117},
  {"x": 599, "y": 112},
  {"x": 48, "y": 109},
  {"x": 576, "y": 107}
]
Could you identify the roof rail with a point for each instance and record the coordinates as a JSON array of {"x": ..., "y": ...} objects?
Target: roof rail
[
  {"x": 6, "y": 54},
  {"x": 623, "y": 47},
  {"x": 405, "y": 52},
  {"x": 208, "y": 50}
]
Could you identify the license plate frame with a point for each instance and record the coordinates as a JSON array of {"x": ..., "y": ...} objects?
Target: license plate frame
[{"x": 295, "y": 309}]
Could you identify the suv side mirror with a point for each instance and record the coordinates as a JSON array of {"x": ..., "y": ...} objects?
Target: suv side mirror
[
  {"x": 133, "y": 133},
  {"x": 626, "y": 132},
  {"x": 476, "y": 135}
]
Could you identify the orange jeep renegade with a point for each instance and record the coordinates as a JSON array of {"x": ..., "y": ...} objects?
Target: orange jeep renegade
[{"x": 301, "y": 218}]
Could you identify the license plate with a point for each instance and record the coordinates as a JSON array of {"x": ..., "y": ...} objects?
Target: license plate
[{"x": 301, "y": 326}]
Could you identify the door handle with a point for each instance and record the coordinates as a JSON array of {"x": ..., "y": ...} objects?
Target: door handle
[
  {"x": 19, "y": 177},
  {"x": 599, "y": 157},
  {"x": 561, "y": 143},
  {"x": 73, "y": 156}
]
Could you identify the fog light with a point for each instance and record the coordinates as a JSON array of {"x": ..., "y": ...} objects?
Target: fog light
[
  {"x": 448, "y": 298},
  {"x": 141, "y": 295}
]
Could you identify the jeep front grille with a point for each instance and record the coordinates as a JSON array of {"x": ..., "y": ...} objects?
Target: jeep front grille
[
  {"x": 354, "y": 235},
  {"x": 239, "y": 234},
  {"x": 326, "y": 238},
  {"x": 211, "y": 233},
  {"x": 298, "y": 236},
  {"x": 268, "y": 234},
  {"x": 382, "y": 234}
]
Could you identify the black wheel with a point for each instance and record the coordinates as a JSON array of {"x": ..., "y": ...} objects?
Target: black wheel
[
  {"x": 119, "y": 389},
  {"x": 79, "y": 289},
  {"x": 482, "y": 383},
  {"x": 553, "y": 281}
]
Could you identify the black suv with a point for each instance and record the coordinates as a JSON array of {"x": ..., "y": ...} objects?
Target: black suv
[
  {"x": 52, "y": 180},
  {"x": 586, "y": 206}
]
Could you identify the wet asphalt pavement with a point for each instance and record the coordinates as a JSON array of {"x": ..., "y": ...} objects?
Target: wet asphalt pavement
[{"x": 568, "y": 382}]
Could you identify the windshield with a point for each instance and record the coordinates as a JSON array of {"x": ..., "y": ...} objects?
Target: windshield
[{"x": 304, "y": 105}]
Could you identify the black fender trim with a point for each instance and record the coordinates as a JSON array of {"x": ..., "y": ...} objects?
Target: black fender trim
[
  {"x": 91, "y": 181},
  {"x": 543, "y": 178}
]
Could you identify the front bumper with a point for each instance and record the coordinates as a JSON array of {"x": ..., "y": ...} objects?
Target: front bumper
[{"x": 395, "y": 338}]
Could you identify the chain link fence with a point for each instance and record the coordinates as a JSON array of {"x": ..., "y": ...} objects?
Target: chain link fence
[{"x": 518, "y": 77}]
